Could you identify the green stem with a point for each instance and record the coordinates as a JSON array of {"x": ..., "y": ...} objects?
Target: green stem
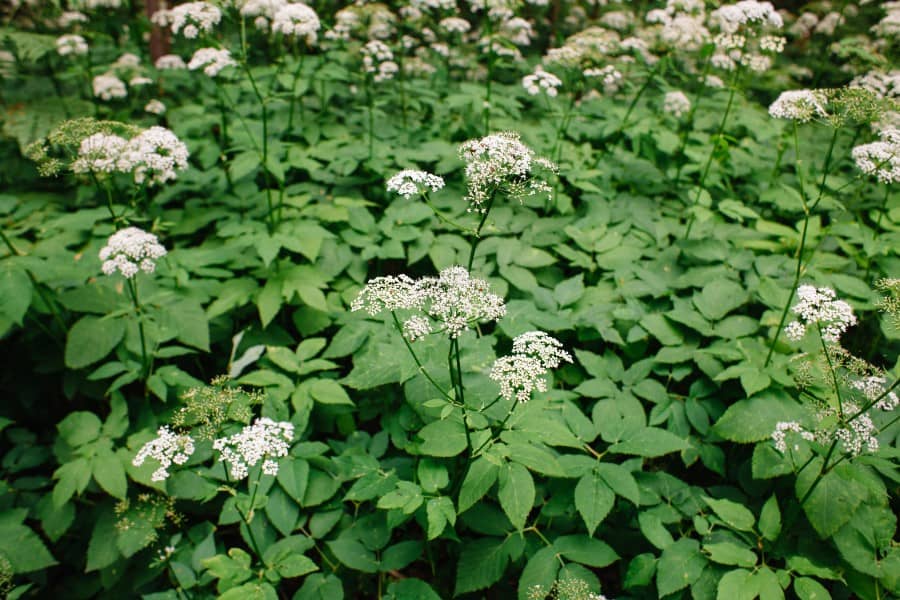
[
  {"x": 132, "y": 288},
  {"x": 486, "y": 112},
  {"x": 640, "y": 93},
  {"x": 500, "y": 430},
  {"x": 422, "y": 369},
  {"x": 475, "y": 239},
  {"x": 688, "y": 125},
  {"x": 297, "y": 73},
  {"x": 446, "y": 220},
  {"x": 712, "y": 152},
  {"x": 887, "y": 192},
  {"x": 370, "y": 106},
  {"x": 834, "y": 379}
]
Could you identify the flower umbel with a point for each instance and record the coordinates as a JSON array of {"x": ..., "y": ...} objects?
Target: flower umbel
[
  {"x": 524, "y": 371},
  {"x": 264, "y": 440},
  {"x": 819, "y": 307},
  {"x": 168, "y": 448},
  {"x": 129, "y": 250},
  {"x": 409, "y": 183}
]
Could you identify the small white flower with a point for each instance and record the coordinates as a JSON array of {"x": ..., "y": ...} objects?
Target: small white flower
[
  {"x": 99, "y": 153},
  {"x": 541, "y": 80},
  {"x": 415, "y": 328},
  {"x": 191, "y": 18},
  {"x": 71, "y": 44},
  {"x": 409, "y": 183},
  {"x": 107, "y": 87},
  {"x": 819, "y": 307},
  {"x": 676, "y": 104},
  {"x": 798, "y": 105},
  {"x": 154, "y": 156},
  {"x": 130, "y": 250},
  {"x": 170, "y": 61},
  {"x": 139, "y": 81},
  {"x": 873, "y": 387},
  {"x": 168, "y": 448},
  {"x": 519, "y": 376},
  {"x": 211, "y": 60},
  {"x": 779, "y": 436},
  {"x": 155, "y": 107},
  {"x": 881, "y": 158},
  {"x": 264, "y": 440},
  {"x": 297, "y": 20},
  {"x": 455, "y": 25},
  {"x": 544, "y": 347},
  {"x": 70, "y": 17}
]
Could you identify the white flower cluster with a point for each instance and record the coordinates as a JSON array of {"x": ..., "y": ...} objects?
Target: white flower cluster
[
  {"x": 523, "y": 371},
  {"x": 409, "y": 183},
  {"x": 155, "y": 107},
  {"x": 782, "y": 428},
  {"x": 609, "y": 76},
  {"x": 107, "y": 87},
  {"x": 190, "y": 18},
  {"x": 129, "y": 250},
  {"x": 858, "y": 434},
  {"x": 819, "y": 307},
  {"x": 168, "y": 448},
  {"x": 211, "y": 60},
  {"x": 454, "y": 299},
  {"x": 264, "y": 440},
  {"x": 262, "y": 11},
  {"x": 501, "y": 162},
  {"x": 881, "y": 158},
  {"x": 889, "y": 25},
  {"x": 379, "y": 59},
  {"x": 170, "y": 61},
  {"x": 676, "y": 104},
  {"x": 99, "y": 153},
  {"x": 541, "y": 80},
  {"x": 71, "y": 17},
  {"x": 873, "y": 389},
  {"x": 71, "y": 44},
  {"x": 455, "y": 25},
  {"x": 153, "y": 156},
  {"x": 798, "y": 105},
  {"x": 747, "y": 14},
  {"x": 882, "y": 84},
  {"x": 297, "y": 20}
]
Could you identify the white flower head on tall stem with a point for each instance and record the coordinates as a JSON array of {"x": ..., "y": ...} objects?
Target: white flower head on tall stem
[
  {"x": 523, "y": 372},
  {"x": 747, "y": 15},
  {"x": 211, "y": 60},
  {"x": 501, "y": 162},
  {"x": 261, "y": 11},
  {"x": 297, "y": 20},
  {"x": 874, "y": 389},
  {"x": 409, "y": 183},
  {"x": 154, "y": 155},
  {"x": 265, "y": 440},
  {"x": 676, "y": 104},
  {"x": 155, "y": 107},
  {"x": 783, "y": 428},
  {"x": 378, "y": 59},
  {"x": 170, "y": 62},
  {"x": 192, "y": 18},
  {"x": 541, "y": 80},
  {"x": 99, "y": 153},
  {"x": 168, "y": 448},
  {"x": 131, "y": 250},
  {"x": 819, "y": 308},
  {"x": 799, "y": 105},
  {"x": 107, "y": 87},
  {"x": 71, "y": 44},
  {"x": 881, "y": 158},
  {"x": 542, "y": 346}
]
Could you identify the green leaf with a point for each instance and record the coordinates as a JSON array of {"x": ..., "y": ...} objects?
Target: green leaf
[
  {"x": 640, "y": 571},
  {"x": 719, "y": 297},
  {"x": 728, "y": 553},
  {"x": 768, "y": 584},
  {"x": 736, "y": 585},
  {"x": 732, "y": 513},
  {"x": 754, "y": 419},
  {"x": 353, "y": 554},
  {"x": 411, "y": 589},
  {"x": 585, "y": 550},
  {"x": 443, "y": 438},
  {"x": 833, "y": 501},
  {"x": 109, "y": 472},
  {"x": 810, "y": 589},
  {"x": 293, "y": 477},
  {"x": 650, "y": 442},
  {"x": 320, "y": 587},
  {"x": 620, "y": 480},
  {"x": 251, "y": 591},
  {"x": 15, "y": 292},
  {"x": 516, "y": 493},
  {"x": 21, "y": 546},
  {"x": 101, "y": 553},
  {"x": 295, "y": 565},
  {"x": 481, "y": 476},
  {"x": 269, "y": 301},
  {"x": 569, "y": 291},
  {"x": 439, "y": 512},
  {"x": 79, "y": 428},
  {"x": 538, "y": 458},
  {"x": 593, "y": 500},
  {"x": 481, "y": 564},
  {"x": 679, "y": 566},
  {"x": 540, "y": 570},
  {"x": 399, "y": 556},
  {"x": 281, "y": 510},
  {"x": 654, "y": 530},
  {"x": 91, "y": 339},
  {"x": 329, "y": 391},
  {"x": 432, "y": 475},
  {"x": 770, "y": 519}
]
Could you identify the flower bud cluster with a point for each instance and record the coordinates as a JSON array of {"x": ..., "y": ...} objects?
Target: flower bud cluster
[
  {"x": 819, "y": 307},
  {"x": 379, "y": 60},
  {"x": 541, "y": 80},
  {"x": 107, "y": 87},
  {"x": 782, "y": 428},
  {"x": 409, "y": 183},
  {"x": 168, "y": 448},
  {"x": 676, "y": 104},
  {"x": 129, "y": 250},
  {"x": 523, "y": 372},
  {"x": 873, "y": 389},
  {"x": 501, "y": 162},
  {"x": 264, "y": 440},
  {"x": 454, "y": 299}
]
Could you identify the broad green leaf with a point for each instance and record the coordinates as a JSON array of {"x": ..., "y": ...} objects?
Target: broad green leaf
[
  {"x": 281, "y": 510},
  {"x": 732, "y": 513},
  {"x": 411, "y": 589},
  {"x": 585, "y": 550},
  {"x": 650, "y": 442},
  {"x": 754, "y": 419},
  {"x": 654, "y": 530},
  {"x": 640, "y": 571},
  {"x": 719, "y": 297},
  {"x": 439, "y": 512},
  {"x": 679, "y": 566},
  {"x": 90, "y": 339},
  {"x": 269, "y": 301},
  {"x": 21, "y": 546},
  {"x": 400, "y": 555},
  {"x": 593, "y": 500},
  {"x": 329, "y": 391},
  {"x": 832, "y": 502},
  {"x": 79, "y": 428},
  {"x": 353, "y": 554},
  {"x": 538, "y": 458},
  {"x": 540, "y": 570},
  {"x": 770, "y": 519},
  {"x": 620, "y": 480},
  {"x": 810, "y": 589},
  {"x": 481, "y": 564},
  {"x": 481, "y": 476},
  {"x": 15, "y": 292},
  {"x": 728, "y": 553},
  {"x": 109, "y": 472},
  {"x": 736, "y": 585},
  {"x": 100, "y": 552},
  {"x": 516, "y": 493},
  {"x": 251, "y": 591},
  {"x": 443, "y": 438}
]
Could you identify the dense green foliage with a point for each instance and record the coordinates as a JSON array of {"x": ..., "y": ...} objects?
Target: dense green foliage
[{"x": 665, "y": 258}]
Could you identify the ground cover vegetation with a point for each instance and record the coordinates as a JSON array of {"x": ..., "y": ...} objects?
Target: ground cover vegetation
[{"x": 445, "y": 298}]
